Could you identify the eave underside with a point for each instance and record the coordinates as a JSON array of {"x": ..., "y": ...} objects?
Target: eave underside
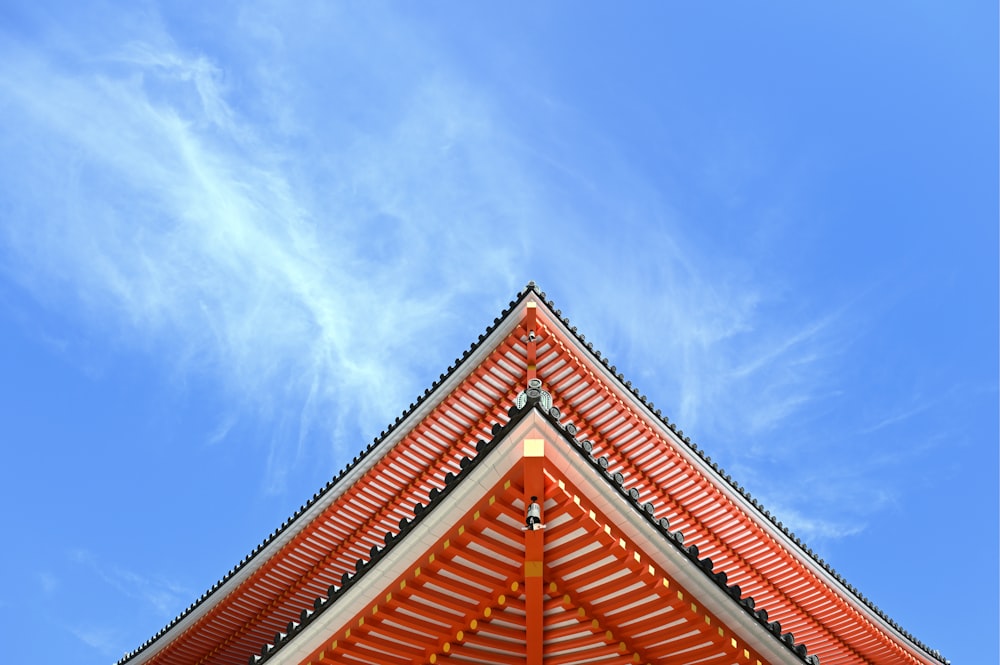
[{"x": 467, "y": 598}]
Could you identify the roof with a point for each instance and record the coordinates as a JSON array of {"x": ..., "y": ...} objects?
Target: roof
[
  {"x": 425, "y": 446},
  {"x": 578, "y": 543}
]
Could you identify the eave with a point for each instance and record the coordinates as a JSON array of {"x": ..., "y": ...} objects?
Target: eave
[
  {"x": 381, "y": 487},
  {"x": 617, "y": 586}
]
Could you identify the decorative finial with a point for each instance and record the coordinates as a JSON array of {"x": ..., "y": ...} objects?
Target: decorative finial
[{"x": 534, "y": 395}]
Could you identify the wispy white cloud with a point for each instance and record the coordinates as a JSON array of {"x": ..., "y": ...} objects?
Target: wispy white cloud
[
  {"x": 222, "y": 429},
  {"x": 306, "y": 221},
  {"x": 161, "y": 595},
  {"x": 816, "y": 531},
  {"x": 103, "y": 639},
  {"x": 897, "y": 417},
  {"x": 717, "y": 342},
  {"x": 174, "y": 223},
  {"x": 47, "y": 582},
  {"x": 720, "y": 344}
]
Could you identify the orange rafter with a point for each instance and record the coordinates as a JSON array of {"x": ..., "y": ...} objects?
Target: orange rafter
[
  {"x": 432, "y": 592},
  {"x": 488, "y": 591},
  {"x": 620, "y": 589},
  {"x": 813, "y": 609},
  {"x": 599, "y": 625}
]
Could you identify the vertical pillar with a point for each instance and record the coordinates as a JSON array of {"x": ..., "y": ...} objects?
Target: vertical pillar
[
  {"x": 530, "y": 322},
  {"x": 534, "y": 553}
]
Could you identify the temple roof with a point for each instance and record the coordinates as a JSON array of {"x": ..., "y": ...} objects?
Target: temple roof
[
  {"x": 423, "y": 452},
  {"x": 577, "y": 548}
]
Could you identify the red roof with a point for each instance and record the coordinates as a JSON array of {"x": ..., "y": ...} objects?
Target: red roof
[{"x": 344, "y": 526}]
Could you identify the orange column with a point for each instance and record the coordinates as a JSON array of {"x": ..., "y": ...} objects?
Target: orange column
[
  {"x": 530, "y": 323},
  {"x": 534, "y": 550}
]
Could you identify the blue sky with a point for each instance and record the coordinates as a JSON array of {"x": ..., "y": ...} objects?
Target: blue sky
[{"x": 235, "y": 243}]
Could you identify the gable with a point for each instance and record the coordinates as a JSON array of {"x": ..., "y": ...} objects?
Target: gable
[
  {"x": 384, "y": 488},
  {"x": 467, "y": 583}
]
